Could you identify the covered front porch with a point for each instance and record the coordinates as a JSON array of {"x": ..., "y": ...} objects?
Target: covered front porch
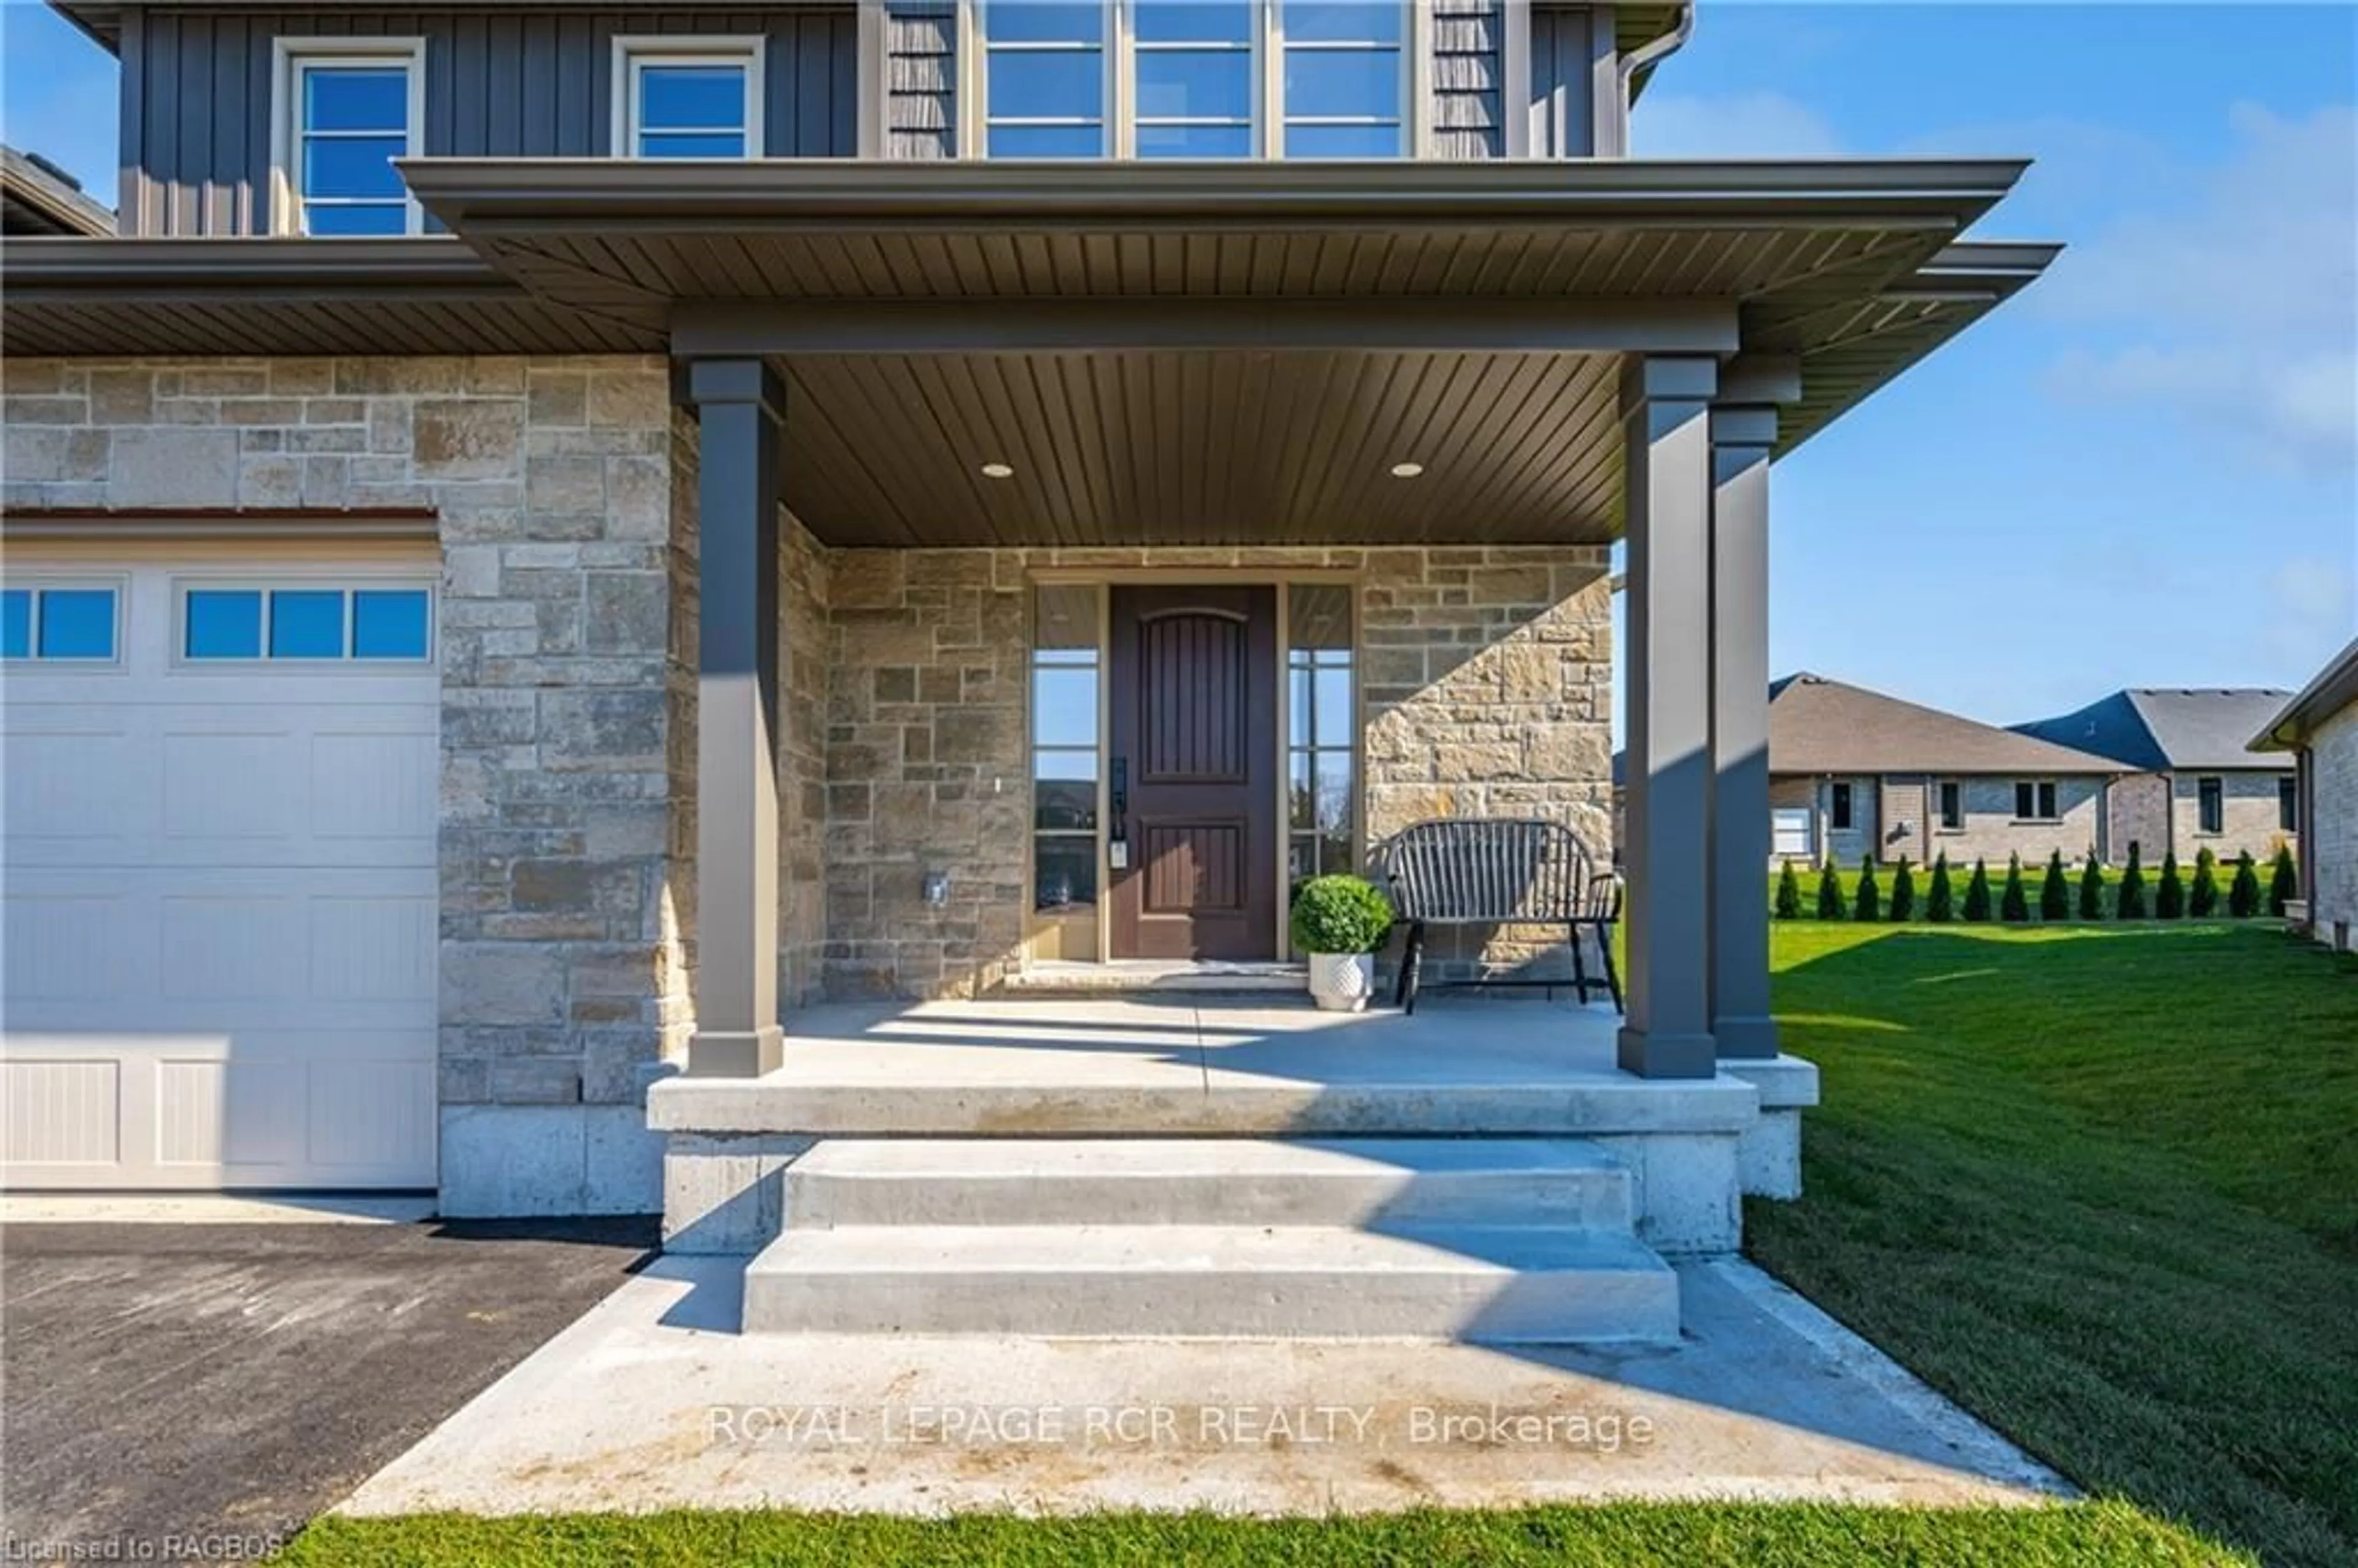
[{"x": 923, "y": 400}]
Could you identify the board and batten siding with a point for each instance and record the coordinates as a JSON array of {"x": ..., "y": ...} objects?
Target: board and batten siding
[
  {"x": 1565, "y": 44},
  {"x": 197, "y": 92}
]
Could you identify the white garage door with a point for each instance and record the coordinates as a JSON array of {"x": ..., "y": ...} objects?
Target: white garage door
[
  {"x": 220, "y": 923},
  {"x": 1790, "y": 832}
]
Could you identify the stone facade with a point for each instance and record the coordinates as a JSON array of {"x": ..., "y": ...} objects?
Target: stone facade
[
  {"x": 565, "y": 665},
  {"x": 1486, "y": 689},
  {"x": 2333, "y": 752},
  {"x": 563, "y": 494}
]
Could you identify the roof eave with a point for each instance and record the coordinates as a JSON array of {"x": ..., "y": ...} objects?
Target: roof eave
[
  {"x": 1237, "y": 196},
  {"x": 2336, "y": 688}
]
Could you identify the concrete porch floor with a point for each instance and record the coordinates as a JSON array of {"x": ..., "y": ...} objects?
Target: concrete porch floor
[
  {"x": 1185, "y": 1065},
  {"x": 655, "y": 1400}
]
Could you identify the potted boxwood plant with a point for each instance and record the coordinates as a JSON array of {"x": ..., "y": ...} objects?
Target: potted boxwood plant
[{"x": 1338, "y": 923}]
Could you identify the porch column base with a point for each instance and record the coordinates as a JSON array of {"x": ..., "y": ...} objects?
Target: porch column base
[
  {"x": 1656, "y": 1056},
  {"x": 736, "y": 1053},
  {"x": 1752, "y": 1038}
]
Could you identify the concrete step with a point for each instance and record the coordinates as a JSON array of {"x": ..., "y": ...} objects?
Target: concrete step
[
  {"x": 1487, "y": 1284},
  {"x": 1210, "y": 1181}
]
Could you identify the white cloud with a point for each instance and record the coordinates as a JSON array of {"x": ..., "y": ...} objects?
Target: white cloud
[
  {"x": 2235, "y": 305},
  {"x": 1745, "y": 125}
]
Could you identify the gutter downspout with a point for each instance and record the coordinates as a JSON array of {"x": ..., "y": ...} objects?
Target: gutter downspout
[{"x": 1660, "y": 48}]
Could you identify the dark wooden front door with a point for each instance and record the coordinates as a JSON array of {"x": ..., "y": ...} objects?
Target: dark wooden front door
[{"x": 1194, "y": 772}]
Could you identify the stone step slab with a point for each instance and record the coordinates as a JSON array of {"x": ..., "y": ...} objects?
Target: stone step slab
[
  {"x": 1483, "y": 1284},
  {"x": 1363, "y": 1183}
]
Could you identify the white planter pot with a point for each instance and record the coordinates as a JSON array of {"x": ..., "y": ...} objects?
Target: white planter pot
[{"x": 1342, "y": 982}]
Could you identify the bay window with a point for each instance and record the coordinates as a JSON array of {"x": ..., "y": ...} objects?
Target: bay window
[{"x": 1190, "y": 78}]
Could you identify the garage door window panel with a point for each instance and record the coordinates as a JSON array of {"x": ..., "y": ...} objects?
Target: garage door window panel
[
  {"x": 74, "y": 623},
  {"x": 307, "y": 624},
  {"x": 392, "y": 623}
]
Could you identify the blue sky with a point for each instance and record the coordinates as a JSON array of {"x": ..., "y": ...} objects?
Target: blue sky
[{"x": 2142, "y": 473}]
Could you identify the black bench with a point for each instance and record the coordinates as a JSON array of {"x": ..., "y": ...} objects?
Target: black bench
[{"x": 1499, "y": 871}]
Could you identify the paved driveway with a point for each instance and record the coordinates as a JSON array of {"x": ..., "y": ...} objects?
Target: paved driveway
[{"x": 185, "y": 1390}]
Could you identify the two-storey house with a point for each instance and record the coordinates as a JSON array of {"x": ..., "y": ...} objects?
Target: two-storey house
[{"x": 556, "y": 535}]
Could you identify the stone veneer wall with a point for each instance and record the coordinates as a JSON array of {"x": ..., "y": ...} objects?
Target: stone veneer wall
[
  {"x": 1486, "y": 676},
  {"x": 808, "y": 658},
  {"x": 565, "y": 709},
  {"x": 565, "y": 490},
  {"x": 927, "y": 653}
]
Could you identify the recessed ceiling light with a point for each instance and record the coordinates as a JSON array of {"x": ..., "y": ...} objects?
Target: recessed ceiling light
[
  {"x": 997, "y": 470},
  {"x": 1407, "y": 471}
]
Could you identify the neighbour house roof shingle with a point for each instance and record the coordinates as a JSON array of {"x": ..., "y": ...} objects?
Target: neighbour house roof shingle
[
  {"x": 37, "y": 197},
  {"x": 1820, "y": 726},
  {"x": 2336, "y": 688},
  {"x": 2159, "y": 729}
]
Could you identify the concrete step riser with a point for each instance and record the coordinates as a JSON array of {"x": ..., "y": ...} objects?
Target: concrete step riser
[
  {"x": 1576, "y": 1199},
  {"x": 1585, "y": 1306}
]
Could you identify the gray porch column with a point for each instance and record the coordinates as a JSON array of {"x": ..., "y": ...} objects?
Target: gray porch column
[
  {"x": 741, "y": 407},
  {"x": 1667, "y": 842},
  {"x": 1741, "y": 439}
]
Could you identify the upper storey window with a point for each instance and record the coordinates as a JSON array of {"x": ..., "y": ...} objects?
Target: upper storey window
[
  {"x": 1346, "y": 80},
  {"x": 1192, "y": 79},
  {"x": 687, "y": 97},
  {"x": 348, "y": 108}
]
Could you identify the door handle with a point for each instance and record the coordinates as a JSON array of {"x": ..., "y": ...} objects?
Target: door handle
[{"x": 1121, "y": 790}]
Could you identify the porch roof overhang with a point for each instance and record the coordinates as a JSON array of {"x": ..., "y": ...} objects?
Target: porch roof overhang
[{"x": 1165, "y": 353}]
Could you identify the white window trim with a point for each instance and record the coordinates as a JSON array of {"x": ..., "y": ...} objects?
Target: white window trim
[
  {"x": 325, "y": 577},
  {"x": 292, "y": 56},
  {"x": 2220, "y": 780},
  {"x": 749, "y": 51},
  {"x": 875, "y": 79},
  {"x": 2036, "y": 786},
  {"x": 1964, "y": 815},
  {"x": 37, "y": 585},
  {"x": 972, "y": 109}
]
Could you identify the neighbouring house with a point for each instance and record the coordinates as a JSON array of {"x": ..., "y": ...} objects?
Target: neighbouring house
[
  {"x": 546, "y": 548},
  {"x": 2320, "y": 728},
  {"x": 37, "y": 197},
  {"x": 2190, "y": 782},
  {"x": 1854, "y": 773}
]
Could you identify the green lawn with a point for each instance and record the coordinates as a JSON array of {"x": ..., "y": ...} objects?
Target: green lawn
[
  {"x": 2099, "y": 1184},
  {"x": 2099, "y": 1535}
]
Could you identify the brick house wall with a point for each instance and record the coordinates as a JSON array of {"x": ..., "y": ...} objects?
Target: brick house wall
[
  {"x": 1882, "y": 804},
  {"x": 2140, "y": 815},
  {"x": 2334, "y": 870},
  {"x": 2250, "y": 818},
  {"x": 1992, "y": 832}
]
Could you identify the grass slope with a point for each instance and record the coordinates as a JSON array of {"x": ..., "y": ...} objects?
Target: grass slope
[
  {"x": 2099, "y": 1185},
  {"x": 2101, "y": 1535}
]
